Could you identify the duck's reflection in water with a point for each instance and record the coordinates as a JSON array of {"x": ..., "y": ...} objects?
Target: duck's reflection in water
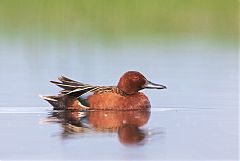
[{"x": 127, "y": 124}]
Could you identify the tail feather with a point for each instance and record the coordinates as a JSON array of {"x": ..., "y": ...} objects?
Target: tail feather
[
  {"x": 62, "y": 102},
  {"x": 66, "y": 102},
  {"x": 58, "y": 102},
  {"x": 49, "y": 98}
]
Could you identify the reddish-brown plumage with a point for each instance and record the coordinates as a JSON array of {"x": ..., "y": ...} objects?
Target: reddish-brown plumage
[
  {"x": 124, "y": 96},
  {"x": 131, "y": 82},
  {"x": 111, "y": 101}
]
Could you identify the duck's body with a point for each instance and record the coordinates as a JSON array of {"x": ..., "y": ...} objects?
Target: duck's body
[
  {"x": 124, "y": 96},
  {"x": 111, "y": 101}
]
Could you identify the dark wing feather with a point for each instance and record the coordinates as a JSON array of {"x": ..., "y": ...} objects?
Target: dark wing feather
[
  {"x": 74, "y": 88},
  {"x": 81, "y": 91},
  {"x": 66, "y": 86},
  {"x": 71, "y": 82}
]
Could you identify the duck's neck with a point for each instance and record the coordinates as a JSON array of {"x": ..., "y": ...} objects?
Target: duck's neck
[{"x": 120, "y": 92}]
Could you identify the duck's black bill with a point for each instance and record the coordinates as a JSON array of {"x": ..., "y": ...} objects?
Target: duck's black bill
[{"x": 150, "y": 85}]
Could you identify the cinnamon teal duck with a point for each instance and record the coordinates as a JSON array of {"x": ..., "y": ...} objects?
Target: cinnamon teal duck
[{"x": 124, "y": 96}]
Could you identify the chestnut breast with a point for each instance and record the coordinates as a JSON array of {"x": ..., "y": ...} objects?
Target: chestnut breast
[{"x": 118, "y": 102}]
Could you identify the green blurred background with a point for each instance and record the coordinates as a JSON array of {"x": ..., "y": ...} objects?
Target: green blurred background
[{"x": 119, "y": 19}]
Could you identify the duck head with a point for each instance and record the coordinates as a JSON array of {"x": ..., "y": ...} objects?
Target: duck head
[{"x": 133, "y": 81}]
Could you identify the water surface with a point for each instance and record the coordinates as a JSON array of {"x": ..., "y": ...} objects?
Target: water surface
[{"x": 170, "y": 134}]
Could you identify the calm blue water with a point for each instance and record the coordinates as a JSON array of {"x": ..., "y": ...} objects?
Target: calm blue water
[{"x": 196, "y": 118}]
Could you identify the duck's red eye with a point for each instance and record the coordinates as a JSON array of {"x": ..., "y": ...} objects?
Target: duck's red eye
[{"x": 135, "y": 78}]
